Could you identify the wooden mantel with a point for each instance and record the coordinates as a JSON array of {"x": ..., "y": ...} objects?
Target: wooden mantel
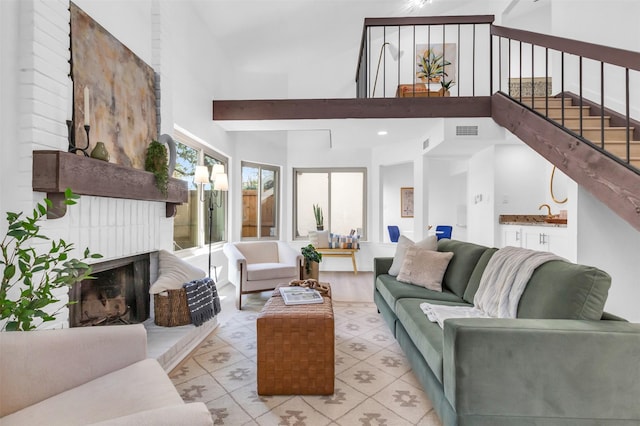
[{"x": 55, "y": 171}]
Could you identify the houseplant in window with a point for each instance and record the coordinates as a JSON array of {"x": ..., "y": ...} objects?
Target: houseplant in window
[
  {"x": 31, "y": 275},
  {"x": 317, "y": 213},
  {"x": 312, "y": 259}
]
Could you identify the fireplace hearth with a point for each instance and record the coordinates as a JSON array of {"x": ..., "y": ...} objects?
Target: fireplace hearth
[{"x": 118, "y": 294}]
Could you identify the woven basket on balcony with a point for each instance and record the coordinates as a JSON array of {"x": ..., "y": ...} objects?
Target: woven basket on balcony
[{"x": 171, "y": 310}]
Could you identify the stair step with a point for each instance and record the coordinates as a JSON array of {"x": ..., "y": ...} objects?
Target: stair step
[
  {"x": 594, "y": 134},
  {"x": 555, "y": 113},
  {"x": 587, "y": 121},
  {"x": 619, "y": 149},
  {"x": 539, "y": 102}
]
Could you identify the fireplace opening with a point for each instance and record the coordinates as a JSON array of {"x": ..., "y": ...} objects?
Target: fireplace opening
[{"x": 118, "y": 294}]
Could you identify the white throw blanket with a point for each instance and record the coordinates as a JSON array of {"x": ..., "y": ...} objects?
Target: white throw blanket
[{"x": 501, "y": 286}]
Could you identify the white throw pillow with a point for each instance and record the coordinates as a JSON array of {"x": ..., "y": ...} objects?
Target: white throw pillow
[
  {"x": 424, "y": 267},
  {"x": 173, "y": 272},
  {"x": 323, "y": 239},
  {"x": 429, "y": 243}
]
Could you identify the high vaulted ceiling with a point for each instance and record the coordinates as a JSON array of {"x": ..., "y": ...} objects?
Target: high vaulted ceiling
[{"x": 318, "y": 40}]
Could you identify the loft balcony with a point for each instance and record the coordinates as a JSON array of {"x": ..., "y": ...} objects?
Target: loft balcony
[{"x": 576, "y": 103}]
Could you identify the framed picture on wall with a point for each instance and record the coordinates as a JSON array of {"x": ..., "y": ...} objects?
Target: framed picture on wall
[{"x": 406, "y": 202}]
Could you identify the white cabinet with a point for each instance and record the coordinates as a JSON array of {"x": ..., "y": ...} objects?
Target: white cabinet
[
  {"x": 543, "y": 238},
  {"x": 550, "y": 239},
  {"x": 511, "y": 235}
]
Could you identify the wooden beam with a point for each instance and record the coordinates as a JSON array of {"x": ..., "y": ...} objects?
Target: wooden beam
[
  {"x": 55, "y": 171},
  {"x": 614, "y": 184},
  {"x": 298, "y": 109}
]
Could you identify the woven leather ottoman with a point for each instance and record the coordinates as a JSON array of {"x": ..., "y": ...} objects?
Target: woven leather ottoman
[{"x": 296, "y": 348}]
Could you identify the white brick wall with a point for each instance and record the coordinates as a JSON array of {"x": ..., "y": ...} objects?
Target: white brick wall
[{"x": 112, "y": 227}]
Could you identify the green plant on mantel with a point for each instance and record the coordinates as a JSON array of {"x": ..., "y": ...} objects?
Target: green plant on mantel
[
  {"x": 156, "y": 162},
  {"x": 29, "y": 277}
]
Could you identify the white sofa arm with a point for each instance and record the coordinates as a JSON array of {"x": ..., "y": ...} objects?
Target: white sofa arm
[
  {"x": 67, "y": 358},
  {"x": 237, "y": 263},
  {"x": 288, "y": 255},
  {"x": 188, "y": 414}
]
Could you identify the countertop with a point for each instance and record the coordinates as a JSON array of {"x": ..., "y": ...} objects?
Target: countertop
[{"x": 530, "y": 220}]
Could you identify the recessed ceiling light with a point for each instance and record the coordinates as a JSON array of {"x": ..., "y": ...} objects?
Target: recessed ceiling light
[{"x": 382, "y": 132}]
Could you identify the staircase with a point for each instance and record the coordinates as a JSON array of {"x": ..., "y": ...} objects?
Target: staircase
[{"x": 615, "y": 138}]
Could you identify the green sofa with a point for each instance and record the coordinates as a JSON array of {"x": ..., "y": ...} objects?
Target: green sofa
[{"x": 562, "y": 361}]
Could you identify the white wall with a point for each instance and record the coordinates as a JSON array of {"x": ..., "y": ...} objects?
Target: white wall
[
  {"x": 392, "y": 178},
  {"x": 447, "y": 189},
  {"x": 609, "y": 243},
  {"x": 481, "y": 222}
]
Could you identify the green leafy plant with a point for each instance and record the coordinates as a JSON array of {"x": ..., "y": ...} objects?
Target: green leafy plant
[
  {"x": 157, "y": 162},
  {"x": 431, "y": 66},
  {"x": 310, "y": 254},
  {"x": 317, "y": 213},
  {"x": 446, "y": 85},
  {"x": 29, "y": 277}
]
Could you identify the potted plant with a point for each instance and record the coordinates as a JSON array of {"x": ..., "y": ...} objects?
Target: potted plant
[
  {"x": 31, "y": 277},
  {"x": 156, "y": 162},
  {"x": 446, "y": 85},
  {"x": 312, "y": 259},
  {"x": 317, "y": 213}
]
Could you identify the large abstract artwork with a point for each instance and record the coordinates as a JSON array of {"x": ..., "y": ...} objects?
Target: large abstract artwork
[{"x": 122, "y": 98}]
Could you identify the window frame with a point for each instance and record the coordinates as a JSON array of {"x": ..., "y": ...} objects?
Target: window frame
[
  {"x": 277, "y": 178},
  {"x": 327, "y": 216},
  {"x": 203, "y": 148}
]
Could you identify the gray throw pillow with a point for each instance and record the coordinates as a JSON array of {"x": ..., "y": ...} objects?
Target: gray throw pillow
[
  {"x": 429, "y": 243},
  {"x": 424, "y": 267}
]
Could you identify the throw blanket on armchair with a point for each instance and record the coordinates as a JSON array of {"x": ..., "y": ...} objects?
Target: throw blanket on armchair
[
  {"x": 501, "y": 285},
  {"x": 203, "y": 300}
]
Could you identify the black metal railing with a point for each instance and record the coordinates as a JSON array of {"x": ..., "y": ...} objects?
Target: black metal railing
[
  {"x": 421, "y": 56},
  {"x": 425, "y": 56},
  {"x": 591, "y": 82}
]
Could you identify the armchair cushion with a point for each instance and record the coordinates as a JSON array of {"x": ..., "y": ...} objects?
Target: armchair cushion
[{"x": 269, "y": 271}]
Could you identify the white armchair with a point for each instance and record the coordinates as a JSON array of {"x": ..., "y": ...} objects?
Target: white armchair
[
  {"x": 261, "y": 265},
  {"x": 88, "y": 375}
]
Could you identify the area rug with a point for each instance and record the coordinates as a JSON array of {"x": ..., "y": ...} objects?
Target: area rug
[{"x": 374, "y": 385}]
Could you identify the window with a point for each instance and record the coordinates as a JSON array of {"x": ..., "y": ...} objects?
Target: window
[
  {"x": 191, "y": 222},
  {"x": 340, "y": 193},
  {"x": 260, "y": 199}
]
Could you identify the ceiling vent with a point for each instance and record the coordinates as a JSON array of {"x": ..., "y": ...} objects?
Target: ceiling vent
[{"x": 466, "y": 130}]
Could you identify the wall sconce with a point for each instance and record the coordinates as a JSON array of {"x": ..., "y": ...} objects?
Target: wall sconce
[{"x": 220, "y": 183}]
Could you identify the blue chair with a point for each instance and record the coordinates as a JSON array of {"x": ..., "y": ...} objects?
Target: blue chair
[
  {"x": 394, "y": 233},
  {"x": 443, "y": 231}
]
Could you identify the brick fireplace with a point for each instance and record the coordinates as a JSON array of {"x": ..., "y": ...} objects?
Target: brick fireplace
[{"x": 118, "y": 294}]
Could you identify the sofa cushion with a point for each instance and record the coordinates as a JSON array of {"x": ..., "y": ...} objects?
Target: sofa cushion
[
  {"x": 401, "y": 249},
  {"x": 424, "y": 267},
  {"x": 563, "y": 290},
  {"x": 173, "y": 272},
  {"x": 392, "y": 290},
  {"x": 427, "y": 336},
  {"x": 269, "y": 271},
  {"x": 474, "y": 281},
  {"x": 138, "y": 387},
  {"x": 465, "y": 258}
]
